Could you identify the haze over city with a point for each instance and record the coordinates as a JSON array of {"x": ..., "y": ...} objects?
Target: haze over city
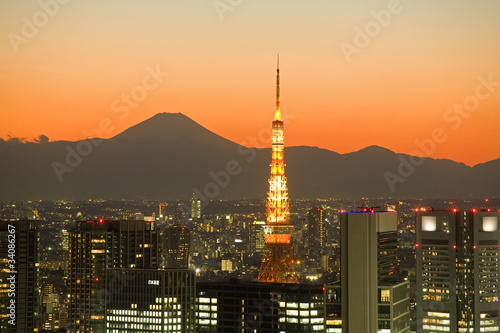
[{"x": 354, "y": 73}]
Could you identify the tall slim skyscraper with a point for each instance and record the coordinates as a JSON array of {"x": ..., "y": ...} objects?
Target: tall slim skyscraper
[
  {"x": 316, "y": 227},
  {"x": 373, "y": 299},
  {"x": 18, "y": 276},
  {"x": 94, "y": 247},
  {"x": 458, "y": 271},
  {"x": 257, "y": 237},
  {"x": 177, "y": 240},
  {"x": 195, "y": 207},
  {"x": 277, "y": 260}
]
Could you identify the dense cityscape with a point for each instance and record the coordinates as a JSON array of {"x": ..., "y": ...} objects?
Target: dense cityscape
[{"x": 223, "y": 240}]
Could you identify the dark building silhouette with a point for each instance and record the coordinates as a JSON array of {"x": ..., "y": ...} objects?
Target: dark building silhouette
[
  {"x": 176, "y": 243},
  {"x": 259, "y": 307},
  {"x": 96, "y": 246},
  {"x": 18, "y": 276},
  {"x": 316, "y": 228}
]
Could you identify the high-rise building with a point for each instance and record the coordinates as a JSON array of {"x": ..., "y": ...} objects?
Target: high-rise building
[
  {"x": 176, "y": 247},
  {"x": 96, "y": 246},
  {"x": 162, "y": 211},
  {"x": 372, "y": 297},
  {"x": 49, "y": 313},
  {"x": 150, "y": 300},
  {"x": 277, "y": 260},
  {"x": 458, "y": 271},
  {"x": 316, "y": 228},
  {"x": 236, "y": 306},
  {"x": 177, "y": 240},
  {"x": 257, "y": 237},
  {"x": 18, "y": 276},
  {"x": 195, "y": 208}
]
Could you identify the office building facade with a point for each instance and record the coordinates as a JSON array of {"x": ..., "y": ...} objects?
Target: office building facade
[
  {"x": 150, "y": 300},
  {"x": 372, "y": 297},
  {"x": 96, "y": 246},
  {"x": 259, "y": 307},
  {"x": 257, "y": 237},
  {"x": 457, "y": 271}
]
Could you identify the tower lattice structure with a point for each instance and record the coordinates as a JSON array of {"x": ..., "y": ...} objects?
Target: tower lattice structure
[{"x": 277, "y": 260}]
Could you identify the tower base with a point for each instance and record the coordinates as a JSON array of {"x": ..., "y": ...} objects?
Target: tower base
[{"x": 277, "y": 265}]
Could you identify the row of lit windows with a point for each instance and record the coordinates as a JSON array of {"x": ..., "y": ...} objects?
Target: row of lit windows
[
  {"x": 334, "y": 322},
  {"x": 438, "y": 298},
  {"x": 302, "y": 313},
  {"x": 205, "y": 315},
  {"x": 438, "y": 314},
  {"x": 301, "y": 320},
  {"x": 207, "y": 300},
  {"x": 439, "y": 291},
  {"x": 155, "y": 328},
  {"x": 436, "y": 321},
  {"x": 207, "y": 307},
  {"x": 151, "y": 328},
  {"x": 166, "y": 300},
  {"x": 136, "y": 313},
  {"x": 436, "y": 328},
  {"x": 488, "y": 299},
  {"x": 295, "y": 305},
  {"x": 145, "y": 320},
  {"x": 159, "y": 307}
]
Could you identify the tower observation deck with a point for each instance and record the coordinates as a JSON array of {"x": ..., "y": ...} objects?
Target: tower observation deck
[{"x": 277, "y": 260}]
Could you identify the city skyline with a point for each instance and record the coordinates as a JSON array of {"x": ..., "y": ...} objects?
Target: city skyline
[
  {"x": 392, "y": 87},
  {"x": 383, "y": 101}
]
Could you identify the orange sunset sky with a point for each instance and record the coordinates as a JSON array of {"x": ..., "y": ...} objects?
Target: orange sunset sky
[{"x": 66, "y": 65}]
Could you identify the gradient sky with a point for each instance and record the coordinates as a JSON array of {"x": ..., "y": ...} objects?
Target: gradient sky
[{"x": 64, "y": 78}]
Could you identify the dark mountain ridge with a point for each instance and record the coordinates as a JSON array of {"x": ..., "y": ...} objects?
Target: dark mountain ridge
[{"x": 169, "y": 156}]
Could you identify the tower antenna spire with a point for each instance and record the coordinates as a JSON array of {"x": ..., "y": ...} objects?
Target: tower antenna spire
[{"x": 278, "y": 111}]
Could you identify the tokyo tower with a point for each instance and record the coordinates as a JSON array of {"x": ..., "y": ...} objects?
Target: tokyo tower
[{"x": 277, "y": 260}]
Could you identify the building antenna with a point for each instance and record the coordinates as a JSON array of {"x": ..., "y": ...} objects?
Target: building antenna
[{"x": 278, "y": 82}]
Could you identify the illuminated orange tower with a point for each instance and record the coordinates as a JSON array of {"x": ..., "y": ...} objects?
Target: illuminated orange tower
[{"x": 277, "y": 260}]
